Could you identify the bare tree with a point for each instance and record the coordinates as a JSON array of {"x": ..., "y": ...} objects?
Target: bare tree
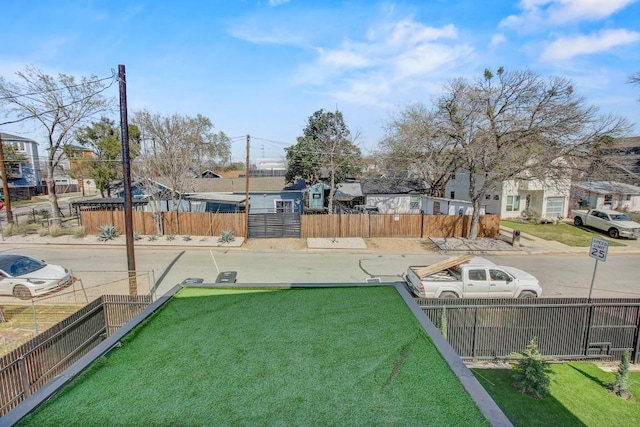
[
  {"x": 175, "y": 148},
  {"x": 414, "y": 144},
  {"x": 59, "y": 104},
  {"x": 518, "y": 126}
]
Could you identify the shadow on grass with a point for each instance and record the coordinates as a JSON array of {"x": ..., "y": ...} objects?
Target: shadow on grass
[
  {"x": 520, "y": 409},
  {"x": 589, "y": 376}
]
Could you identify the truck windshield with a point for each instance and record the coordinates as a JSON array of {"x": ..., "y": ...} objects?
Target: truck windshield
[{"x": 619, "y": 217}]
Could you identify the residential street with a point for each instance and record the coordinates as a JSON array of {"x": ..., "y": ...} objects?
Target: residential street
[{"x": 561, "y": 275}]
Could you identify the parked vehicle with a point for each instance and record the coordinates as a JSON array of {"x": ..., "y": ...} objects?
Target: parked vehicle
[
  {"x": 469, "y": 277},
  {"x": 25, "y": 277},
  {"x": 615, "y": 224}
]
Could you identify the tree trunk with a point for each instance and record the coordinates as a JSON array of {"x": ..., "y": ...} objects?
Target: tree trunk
[
  {"x": 475, "y": 218},
  {"x": 53, "y": 197}
]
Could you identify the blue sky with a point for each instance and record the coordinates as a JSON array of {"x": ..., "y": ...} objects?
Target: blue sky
[{"x": 262, "y": 67}]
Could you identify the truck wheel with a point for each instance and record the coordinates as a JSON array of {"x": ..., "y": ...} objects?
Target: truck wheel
[
  {"x": 22, "y": 292},
  {"x": 577, "y": 221},
  {"x": 613, "y": 233},
  {"x": 527, "y": 295},
  {"x": 448, "y": 295}
]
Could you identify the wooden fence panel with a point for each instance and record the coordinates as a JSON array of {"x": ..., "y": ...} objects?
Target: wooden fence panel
[
  {"x": 445, "y": 225},
  {"x": 319, "y": 226},
  {"x": 395, "y": 225},
  {"x": 489, "y": 226}
]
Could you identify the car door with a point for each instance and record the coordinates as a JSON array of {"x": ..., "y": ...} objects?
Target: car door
[
  {"x": 477, "y": 283},
  {"x": 500, "y": 284}
]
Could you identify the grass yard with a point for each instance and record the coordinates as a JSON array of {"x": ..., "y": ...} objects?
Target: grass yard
[
  {"x": 578, "y": 398},
  {"x": 562, "y": 232},
  {"x": 322, "y": 356}
]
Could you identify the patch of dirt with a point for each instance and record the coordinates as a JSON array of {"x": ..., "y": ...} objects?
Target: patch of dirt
[
  {"x": 275, "y": 244},
  {"x": 400, "y": 245}
]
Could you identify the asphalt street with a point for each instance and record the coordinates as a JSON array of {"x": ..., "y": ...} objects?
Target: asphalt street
[{"x": 566, "y": 275}]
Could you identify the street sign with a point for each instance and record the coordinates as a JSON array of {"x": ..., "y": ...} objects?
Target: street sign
[{"x": 599, "y": 249}]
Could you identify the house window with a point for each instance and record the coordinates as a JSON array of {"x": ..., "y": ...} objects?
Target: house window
[
  {"x": 452, "y": 195},
  {"x": 453, "y": 177},
  {"x": 608, "y": 198},
  {"x": 628, "y": 197},
  {"x": 284, "y": 205},
  {"x": 18, "y": 146},
  {"x": 513, "y": 203},
  {"x": 14, "y": 169},
  {"x": 415, "y": 201}
]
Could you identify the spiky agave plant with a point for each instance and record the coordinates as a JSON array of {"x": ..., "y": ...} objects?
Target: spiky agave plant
[{"x": 107, "y": 232}]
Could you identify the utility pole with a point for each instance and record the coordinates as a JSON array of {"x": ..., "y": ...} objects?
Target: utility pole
[
  {"x": 246, "y": 191},
  {"x": 5, "y": 184},
  {"x": 126, "y": 168}
]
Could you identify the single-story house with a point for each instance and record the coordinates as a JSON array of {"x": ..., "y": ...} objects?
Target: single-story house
[
  {"x": 606, "y": 194},
  {"x": 394, "y": 195}
]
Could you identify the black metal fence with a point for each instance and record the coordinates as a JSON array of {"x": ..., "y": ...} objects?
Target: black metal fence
[
  {"x": 565, "y": 328},
  {"x": 32, "y": 365}
]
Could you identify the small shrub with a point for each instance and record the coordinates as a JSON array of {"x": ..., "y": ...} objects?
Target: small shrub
[
  {"x": 621, "y": 386},
  {"x": 170, "y": 238},
  {"x": 80, "y": 233},
  {"x": 152, "y": 238},
  {"x": 43, "y": 232},
  {"x": 137, "y": 236},
  {"x": 226, "y": 236},
  {"x": 186, "y": 238},
  {"x": 55, "y": 230},
  {"x": 531, "y": 373},
  {"x": 10, "y": 230},
  {"x": 204, "y": 239},
  {"x": 107, "y": 232}
]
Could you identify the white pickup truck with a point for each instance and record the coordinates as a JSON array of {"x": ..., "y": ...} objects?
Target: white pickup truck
[
  {"x": 469, "y": 277},
  {"x": 616, "y": 224}
]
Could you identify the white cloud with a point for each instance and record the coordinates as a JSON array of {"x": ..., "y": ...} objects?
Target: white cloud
[
  {"x": 497, "y": 39},
  {"x": 537, "y": 14},
  {"x": 274, "y": 3},
  {"x": 394, "y": 56},
  {"x": 569, "y": 47}
]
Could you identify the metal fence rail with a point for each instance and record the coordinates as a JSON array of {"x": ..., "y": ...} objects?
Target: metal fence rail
[
  {"x": 571, "y": 328},
  {"x": 33, "y": 364}
]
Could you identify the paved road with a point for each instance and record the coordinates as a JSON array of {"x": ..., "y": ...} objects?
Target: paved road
[{"x": 560, "y": 275}]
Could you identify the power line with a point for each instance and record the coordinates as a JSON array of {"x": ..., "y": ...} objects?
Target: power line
[{"x": 40, "y": 92}]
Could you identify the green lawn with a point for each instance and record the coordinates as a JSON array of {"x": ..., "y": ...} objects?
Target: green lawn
[
  {"x": 322, "y": 356},
  {"x": 578, "y": 398},
  {"x": 562, "y": 232}
]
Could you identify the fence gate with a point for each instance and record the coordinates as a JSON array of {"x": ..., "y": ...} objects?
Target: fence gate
[{"x": 281, "y": 224}]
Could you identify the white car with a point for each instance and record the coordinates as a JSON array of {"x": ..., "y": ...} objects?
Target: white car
[{"x": 25, "y": 277}]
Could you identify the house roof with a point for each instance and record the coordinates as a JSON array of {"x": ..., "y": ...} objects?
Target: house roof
[
  {"x": 387, "y": 185},
  {"x": 216, "y": 197},
  {"x": 608, "y": 187},
  {"x": 349, "y": 189},
  {"x": 8, "y": 137},
  {"x": 630, "y": 142},
  {"x": 229, "y": 185}
]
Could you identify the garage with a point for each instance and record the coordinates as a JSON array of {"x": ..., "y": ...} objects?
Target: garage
[{"x": 555, "y": 207}]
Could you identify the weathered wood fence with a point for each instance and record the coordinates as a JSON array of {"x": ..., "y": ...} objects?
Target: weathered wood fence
[
  {"x": 346, "y": 225},
  {"x": 30, "y": 366}
]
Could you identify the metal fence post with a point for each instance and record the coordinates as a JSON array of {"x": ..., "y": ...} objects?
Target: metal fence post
[
  {"x": 475, "y": 332},
  {"x": 592, "y": 309}
]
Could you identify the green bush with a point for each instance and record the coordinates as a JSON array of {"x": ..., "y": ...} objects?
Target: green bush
[
  {"x": 226, "y": 236},
  {"x": 531, "y": 373},
  {"x": 621, "y": 385}
]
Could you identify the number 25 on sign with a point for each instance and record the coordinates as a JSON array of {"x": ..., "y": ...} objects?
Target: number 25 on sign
[{"x": 599, "y": 249}]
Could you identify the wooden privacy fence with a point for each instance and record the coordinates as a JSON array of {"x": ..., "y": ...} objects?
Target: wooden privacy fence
[
  {"x": 326, "y": 226},
  {"x": 167, "y": 223},
  {"x": 569, "y": 328},
  {"x": 410, "y": 225},
  {"x": 33, "y": 364}
]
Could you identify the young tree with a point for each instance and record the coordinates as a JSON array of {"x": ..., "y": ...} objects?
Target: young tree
[
  {"x": 518, "y": 126},
  {"x": 325, "y": 148},
  {"x": 103, "y": 139},
  {"x": 414, "y": 145},
  {"x": 531, "y": 373},
  {"x": 59, "y": 104}
]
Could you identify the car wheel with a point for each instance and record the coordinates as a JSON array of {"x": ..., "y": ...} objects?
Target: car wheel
[
  {"x": 448, "y": 295},
  {"x": 614, "y": 233},
  {"x": 527, "y": 295},
  {"x": 577, "y": 221},
  {"x": 21, "y": 292}
]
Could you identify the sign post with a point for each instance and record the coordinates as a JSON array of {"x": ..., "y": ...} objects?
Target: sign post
[{"x": 598, "y": 251}]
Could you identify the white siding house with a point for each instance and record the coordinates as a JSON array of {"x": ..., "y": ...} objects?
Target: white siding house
[
  {"x": 513, "y": 197},
  {"x": 606, "y": 194}
]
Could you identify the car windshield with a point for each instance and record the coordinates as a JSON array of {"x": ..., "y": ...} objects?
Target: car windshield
[
  {"x": 620, "y": 217},
  {"x": 20, "y": 266}
]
